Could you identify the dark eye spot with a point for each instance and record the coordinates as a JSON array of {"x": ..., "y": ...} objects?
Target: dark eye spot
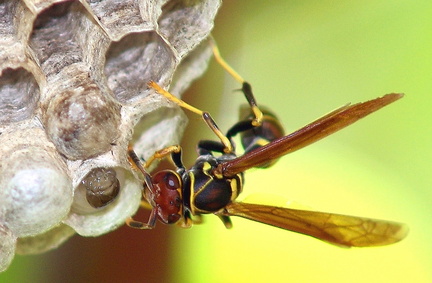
[{"x": 172, "y": 181}]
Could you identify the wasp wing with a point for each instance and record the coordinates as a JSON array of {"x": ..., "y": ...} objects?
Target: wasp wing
[
  {"x": 337, "y": 229},
  {"x": 326, "y": 125}
]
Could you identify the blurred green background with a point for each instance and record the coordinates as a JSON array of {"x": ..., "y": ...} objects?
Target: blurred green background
[{"x": 304, "y": 59}]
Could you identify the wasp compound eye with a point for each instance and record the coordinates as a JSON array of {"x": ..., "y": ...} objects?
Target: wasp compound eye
[
  {"x": 168, "y": 180},
  {"x": 102, "y": 186},
  {"x": 172, "y": 182}
]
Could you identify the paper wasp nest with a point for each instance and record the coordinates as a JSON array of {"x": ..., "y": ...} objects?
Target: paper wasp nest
[{"x": 73, "y": 87}]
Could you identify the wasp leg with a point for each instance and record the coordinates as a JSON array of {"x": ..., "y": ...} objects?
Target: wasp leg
[
  {"x": 246, "y": 87},
  {"x": 174, "y": 151},
  {"x": 207, "y": 147},
  {"x": 148, "y": 204},
  {"x": 254, "y": 137},
  {"x": 186, "y": 221},
  {"x": 239, "y": 127},
  {"x": 176, "y": 156},
  {"x": 137, "y": 164},
  {"x": 226, "y": 220},
  {"x": 247, "y": 91},
  {"x": 197, "y": 219},
  {"x": 134, "y": 159},
  {"x": 205, "y": 115},
  {"x": 141, "y": 225}
]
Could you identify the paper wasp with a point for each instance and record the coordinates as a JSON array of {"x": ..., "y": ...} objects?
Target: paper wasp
[{"x": 213, "y": 183}]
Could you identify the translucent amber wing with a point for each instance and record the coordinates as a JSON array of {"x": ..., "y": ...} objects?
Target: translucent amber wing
[
  {"x": 318, "y": 129},
  {"x": 342, "y": 230}
]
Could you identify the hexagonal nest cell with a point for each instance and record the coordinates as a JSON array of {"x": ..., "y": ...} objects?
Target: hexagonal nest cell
[{"x": 73, "y": 87}]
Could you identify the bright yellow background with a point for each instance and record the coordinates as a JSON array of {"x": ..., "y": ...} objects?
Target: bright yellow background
[{"x": 305, "y": 58}]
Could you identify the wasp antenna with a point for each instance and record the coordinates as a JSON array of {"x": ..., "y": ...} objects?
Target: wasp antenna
[{"x": 223, "y": 63}]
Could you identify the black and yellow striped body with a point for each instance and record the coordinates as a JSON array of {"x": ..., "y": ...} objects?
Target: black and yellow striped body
[{"x": 204, "y": 192}]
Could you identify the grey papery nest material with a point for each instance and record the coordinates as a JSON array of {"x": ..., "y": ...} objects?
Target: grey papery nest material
[{"x": 73, "y": 88}]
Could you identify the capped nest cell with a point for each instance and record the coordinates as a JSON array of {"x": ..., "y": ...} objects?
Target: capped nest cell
[{"x": 73, "y": 87}]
